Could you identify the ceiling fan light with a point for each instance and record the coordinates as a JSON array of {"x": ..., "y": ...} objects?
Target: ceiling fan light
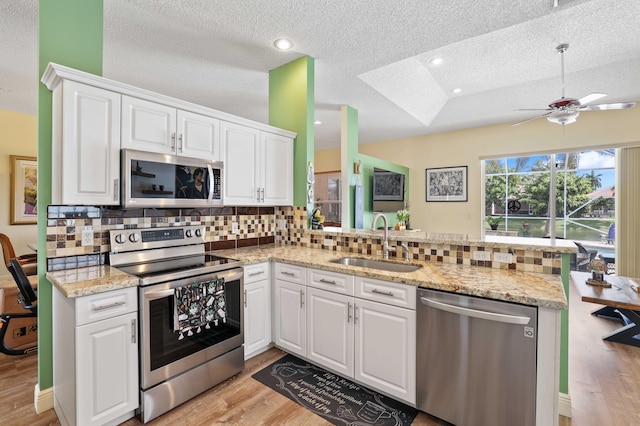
[{"x": 564, "y": 117}]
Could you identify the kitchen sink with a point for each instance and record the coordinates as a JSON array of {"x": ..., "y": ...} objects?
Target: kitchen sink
[{"x": 383, "y": 265}]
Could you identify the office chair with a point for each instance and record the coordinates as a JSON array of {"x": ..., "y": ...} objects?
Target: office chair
[
  {"x": 29, "y": 262},
  {"x": 27, "y": 299}
]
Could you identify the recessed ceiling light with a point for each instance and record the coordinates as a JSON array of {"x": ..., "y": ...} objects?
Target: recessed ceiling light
[
  {"x": 435, "y": 61},
  {"x": 283, "y": 44},
  {"x": 317, "y": 122},
  {"x": 457, "y": 90}
]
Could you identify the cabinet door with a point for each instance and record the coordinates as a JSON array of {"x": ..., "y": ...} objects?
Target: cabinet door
[
  {"x": 86, "y": 160},
  {"x": 257, "y": 317},
  {"x": 240, "y": 147},
  {"x": 148, "y": 126},
  {"x": 290, "y": 317},
  {"x": 198, "y": 136},
  {"x": 386, "y": 348},
  {"x": 277, "y": 176},
  {"x": 330, "y": 330},
  {"x": 107, "y": 369}
]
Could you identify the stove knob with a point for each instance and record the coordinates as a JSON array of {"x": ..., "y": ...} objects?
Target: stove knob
[
  {"x": 198, "y": 232},
  {"x": 189, "y": 233},
  {"x": 134, "y": 238},
  {"x": 120, "y": 239}
]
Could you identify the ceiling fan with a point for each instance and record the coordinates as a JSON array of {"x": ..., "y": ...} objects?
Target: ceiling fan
[{"x": 566, "y": 110}]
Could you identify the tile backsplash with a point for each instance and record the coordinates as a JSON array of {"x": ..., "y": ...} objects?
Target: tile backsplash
[{"x": 256, "y": 226}]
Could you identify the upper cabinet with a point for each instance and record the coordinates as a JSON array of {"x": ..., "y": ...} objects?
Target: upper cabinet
[
  {"x": 85, "y": 165},
  {"x": 152, "y": 127},
  {"x": 258, "y": 166}
]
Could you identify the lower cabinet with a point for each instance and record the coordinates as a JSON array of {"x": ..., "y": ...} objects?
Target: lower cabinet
[
  {"x": 290, "y": 317},
  {"x": 95, "y": 357},
  {"x": 257, "y": 309}
]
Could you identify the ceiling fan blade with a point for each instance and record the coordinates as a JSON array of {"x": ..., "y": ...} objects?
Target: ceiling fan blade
[
  {"x": 590, "y": 98},
  {"x": 531, "y": 119},
  {"x": 622, "y": 105},
  {"x": 534, "y": 109}
]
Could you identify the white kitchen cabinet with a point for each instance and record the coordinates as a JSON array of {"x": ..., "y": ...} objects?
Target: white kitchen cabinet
[
  {"x": 290, "y": 310},
  {"x": 85, "y": 145},
  {"x": 385, "y": 348},
  {"x": 257, "y": 309},
  {"x": 258, "y": 166},
  {"x": 95, "y": 357},
  {"x": 330, "y": 330},
  {"x": 153, "y": 127}
]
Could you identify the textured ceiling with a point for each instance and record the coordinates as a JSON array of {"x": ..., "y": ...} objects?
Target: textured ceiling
[{"x": 370, "y": 54}]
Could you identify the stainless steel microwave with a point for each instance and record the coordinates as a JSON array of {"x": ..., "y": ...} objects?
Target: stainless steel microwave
[{"x": 169, "y": 181}]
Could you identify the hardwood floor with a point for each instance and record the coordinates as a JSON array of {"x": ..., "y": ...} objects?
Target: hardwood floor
[{"x": 604, "y": 382}]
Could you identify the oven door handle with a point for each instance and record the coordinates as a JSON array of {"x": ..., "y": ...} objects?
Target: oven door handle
[{"x": 230, "y": 275}]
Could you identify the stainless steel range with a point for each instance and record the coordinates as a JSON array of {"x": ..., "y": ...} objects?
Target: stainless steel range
[{"x": 191, "y": 313}]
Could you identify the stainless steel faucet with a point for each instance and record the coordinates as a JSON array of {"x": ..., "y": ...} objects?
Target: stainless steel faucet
[{"x": 385, "y": 244}]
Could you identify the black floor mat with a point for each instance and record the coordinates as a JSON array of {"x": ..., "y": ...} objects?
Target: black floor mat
[{"x": 338, "y": 400}]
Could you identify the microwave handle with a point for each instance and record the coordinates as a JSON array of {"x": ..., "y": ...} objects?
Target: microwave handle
[{"x": 210, "y": 182}]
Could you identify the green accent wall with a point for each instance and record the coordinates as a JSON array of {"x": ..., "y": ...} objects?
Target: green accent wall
[
  {"x": 348, "y": 156},
  {"x": 69, "y": 33},
  {"x": 368, "y": 164},
  {"x": 564, "y": 328},
  {"x": 291, "y": 107}
]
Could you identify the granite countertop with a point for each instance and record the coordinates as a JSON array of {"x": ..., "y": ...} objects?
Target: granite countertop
[
  {"x": 533, "y": 289},
  {"x": 90, "y": 280}
]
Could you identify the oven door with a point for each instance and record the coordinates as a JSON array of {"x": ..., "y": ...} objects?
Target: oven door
[{"x": 162, "y": 354}]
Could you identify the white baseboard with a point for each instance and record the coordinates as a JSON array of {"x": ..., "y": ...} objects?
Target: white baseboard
[
  {"x": 42, "y": 400},
  {"x": 564, "y": 404}
]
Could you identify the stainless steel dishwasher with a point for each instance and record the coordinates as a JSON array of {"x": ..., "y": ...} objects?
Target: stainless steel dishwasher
[{"x": 476, "y": 360}]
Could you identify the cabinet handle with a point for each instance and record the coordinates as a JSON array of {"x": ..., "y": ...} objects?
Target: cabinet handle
[
  {"x": 328, "y": 282},
  {"x": 180, "y": 142},
  {"x": 173, "y": 142},
  {"x": 245, "y": 298},
  {"x": 302, "y": 298},
  {"x": 348, "y": 312},
  {"x": 355, "y": 314},
  {"x": 258, "y": 195},
  {"x": 116, "y": 189},
  {"x": 386, "y": 293},
  {"x": 108, "y": 305},
  {"x": 253, "y": 274},
  {"x": 262, "y": 194},
  {"x": 133, "y": 331},
  {"x": 291, "y": 274}
]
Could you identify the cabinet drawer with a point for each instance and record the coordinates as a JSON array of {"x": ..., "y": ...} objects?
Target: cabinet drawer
[
  {"x": 106, "y": 305},
  {"x": 391, "y": 293},
  {"x": 331, "y": 281},
  {"x": 290, "y": 273},
  {"x": 257, "y": 272}
]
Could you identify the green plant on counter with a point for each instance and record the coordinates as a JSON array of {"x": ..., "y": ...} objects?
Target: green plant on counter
[{"x": 494, "y": 221}]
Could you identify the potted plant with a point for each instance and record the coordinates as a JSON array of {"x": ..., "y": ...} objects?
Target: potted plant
[
  {"x": 403, "y": 218},
  {"x": 494, "y": 221},
  {"x": 526, "y": 232}
]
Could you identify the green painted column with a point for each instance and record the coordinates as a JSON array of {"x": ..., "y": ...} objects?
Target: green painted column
[
  {"x": 348, "y": 156},
  {"x": 69, "y": 33},
  {"x": 291, "y": 107},
  {"x": 564, "y": 328}
]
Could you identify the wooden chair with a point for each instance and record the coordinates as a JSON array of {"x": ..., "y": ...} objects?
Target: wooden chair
[
  {"x": 29, "y": 262},
  {"x": 27, "y": 298}
]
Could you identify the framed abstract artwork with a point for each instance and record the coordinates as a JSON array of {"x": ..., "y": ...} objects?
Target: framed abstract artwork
[{"x": 24, "y": 190}]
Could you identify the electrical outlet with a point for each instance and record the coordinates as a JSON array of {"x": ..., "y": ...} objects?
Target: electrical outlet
[
  {"x": 482, "y": 255},
  {"x": 502, "y": 257},
  {"x": 282, "y": 224},
  {"x": 234, "y": 227},
  {"x": 87, "y": 236}
]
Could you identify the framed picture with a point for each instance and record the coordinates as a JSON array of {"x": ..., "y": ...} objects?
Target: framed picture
[
  {"x": 24, "y": 187},
  {"x": 447, "y": 184}
]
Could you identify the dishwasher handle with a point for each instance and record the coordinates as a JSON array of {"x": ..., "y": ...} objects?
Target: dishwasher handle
[{"x": 491, "y": 316}]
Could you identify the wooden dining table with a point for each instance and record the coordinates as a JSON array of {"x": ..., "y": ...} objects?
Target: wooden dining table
[{"x": 621, "y": 303}]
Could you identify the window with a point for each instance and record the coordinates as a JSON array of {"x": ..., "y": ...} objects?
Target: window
[{"x": 518, "y": 195}]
